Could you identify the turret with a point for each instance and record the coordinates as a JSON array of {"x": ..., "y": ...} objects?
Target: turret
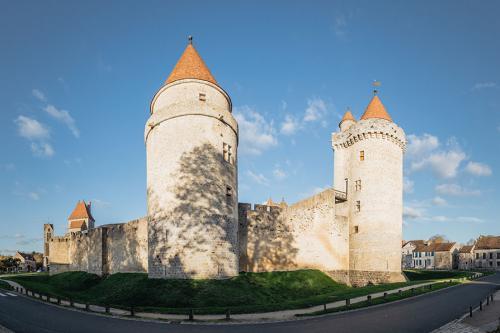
[
  {"x": 81, "y": 218},
  {"x": 372, "y": 152},
  {"x": 192, "y": 191}
]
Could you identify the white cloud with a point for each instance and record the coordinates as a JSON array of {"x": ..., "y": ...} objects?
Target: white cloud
[
  {"x": 455, "y": 190},
  {"x": 412, "y": 213},
  {"x": 340, "y": 25},
  {"x": 279, "y": 173},
  {"x": 421, "y": 145},
  {"x": 256, "y": 133},
  {"x": 316, "y": 109},
  {"x": 289, "y": 126},
  {"x": 64, "y": 117},
  {"x": 34, "y": 196},
  {"x": 443, "y": 164},
  {"x": 478, "y": 169},
  {"x": 39, "y": 95},
  {"x": 258, "y": 178},
  {"x": 42, "y": 149},
  {"x": 31, "y": 129},
  {"x": 484, "y": 85},
  {"x": 438, "y": 201},
  {"x": 408, "y": 185}
]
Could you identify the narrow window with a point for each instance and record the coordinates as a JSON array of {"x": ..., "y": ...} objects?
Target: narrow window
[
  {"x": 477, "y": 255},
  {"x": 362, "y": 155},
  {"x": 491, "y": 255},
  {"x": 202, "y": 97},
  {"x": 229, "y": 191},
  {"x": 225, "y": 151},
  {"x": 356, "y": 229},
  {"x": 358, "y": 206},
  {"x": 484, "y": 255},
  {"x": 230, "y": 154},
  {"x": 358, "y": 185},
  {"x": 498, "y": 255}
]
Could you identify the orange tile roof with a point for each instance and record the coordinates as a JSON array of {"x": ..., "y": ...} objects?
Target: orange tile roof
[
  {"x": 488, "y": 243},
  {"x": 347, "y": 116},
  {"x": 466, "y": 249},
  {"x": 376, "y": 110},
  {"x": 81, "y": 211},
  {"x": 190, "y": 66},
  {"x": 78, "y": 224}
]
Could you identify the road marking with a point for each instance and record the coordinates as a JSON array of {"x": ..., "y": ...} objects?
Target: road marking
[
  {"x": 12, "y": 294},
  {"x": 3, "y": 295}
]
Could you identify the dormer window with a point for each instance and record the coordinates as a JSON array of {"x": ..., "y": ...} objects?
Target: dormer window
[{"x": 202, "y": 97}]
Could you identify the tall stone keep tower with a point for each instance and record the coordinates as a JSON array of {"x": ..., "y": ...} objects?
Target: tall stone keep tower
[
  {"x": 369, "y": 166},
  {"x": 192, "y": 187}
]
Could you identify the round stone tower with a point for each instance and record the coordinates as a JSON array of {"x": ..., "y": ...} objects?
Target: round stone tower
[
  {"x": 192, "y": 187},
  {"x": 372, "y": 150}
]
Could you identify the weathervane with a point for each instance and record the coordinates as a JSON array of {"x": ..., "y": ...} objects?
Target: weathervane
[
  {"x": 190, "y": 39},
  {"x": 376, "y": 84}
]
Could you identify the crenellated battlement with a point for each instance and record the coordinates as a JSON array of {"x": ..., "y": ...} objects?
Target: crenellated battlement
[{"x": 369, "y": 129}]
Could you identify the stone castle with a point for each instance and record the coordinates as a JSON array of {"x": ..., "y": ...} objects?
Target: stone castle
[{"x": 196, "y": 229}]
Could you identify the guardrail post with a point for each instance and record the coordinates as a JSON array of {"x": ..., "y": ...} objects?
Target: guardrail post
[
  {"x": 71, "y": 302},
  {"x": 491, "y": 296},
  {"x": 191, "y": 314},
  {"x": 106, "y": 308},
  {"x": 324, "y": 307},
  {"x": 488, "y": 300},
  {"x": 430, "y": 286},
  {"x": 412, "y": 291},
  {"x": 59, "y": 300},
  {"x": 400, "y": 292},
  {"x": 470, "y": 311},
  {"x": 228, "y": 314},
  {"x": 87, "y": 307},
  {"x": 385, "y": 295},
  {"x": 347, "y": 302},
  {"x": 132, "y": 312},
  {"x": 480, "y": 305}
]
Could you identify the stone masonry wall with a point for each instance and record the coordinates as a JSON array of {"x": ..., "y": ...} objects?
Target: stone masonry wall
[
  {"x": 126, "y": 247},
  {"x": 304, "y": 235},
  {"x": 107, "y": 249}
]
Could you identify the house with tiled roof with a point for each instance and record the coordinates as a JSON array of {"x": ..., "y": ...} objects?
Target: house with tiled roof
[
  {"x": 27, "y": 262},
  {"x": 465, "y": 257},
  {"x": 487, "y": 252},
  {"x": 81, "y": 218},
  {"x": 407, "y": 253},
  {"x": 428, "y": 255}
]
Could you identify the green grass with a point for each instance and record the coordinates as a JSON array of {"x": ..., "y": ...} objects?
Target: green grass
[
  {"x": 246, "y": 293},
  {"x": 421, "y": 275},
  {"x": 4, "y": 285},
  {"x": 381, "y": 300}
]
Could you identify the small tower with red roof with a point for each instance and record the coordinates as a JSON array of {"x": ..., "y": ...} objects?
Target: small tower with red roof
[{"x": 81, "y": 218}]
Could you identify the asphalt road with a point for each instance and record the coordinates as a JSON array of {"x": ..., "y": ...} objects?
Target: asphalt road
[{"x": 420, "y": 314}]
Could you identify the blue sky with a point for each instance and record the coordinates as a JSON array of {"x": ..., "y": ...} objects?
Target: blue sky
[{"x": 77, "y": 79}]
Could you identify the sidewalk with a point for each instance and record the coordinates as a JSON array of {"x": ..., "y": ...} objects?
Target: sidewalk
[
  {"x": 241, "y": 318},
  {"x": 487, "y": 320}
]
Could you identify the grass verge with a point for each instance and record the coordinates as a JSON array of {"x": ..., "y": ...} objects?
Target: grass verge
[
  {"x": 5, "y": 286},
  {"x": 246, "y": 293},
  {"x": 382, "y": 300}
]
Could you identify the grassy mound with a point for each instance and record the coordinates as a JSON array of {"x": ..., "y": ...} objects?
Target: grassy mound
[{"x": 248, "y": 292}]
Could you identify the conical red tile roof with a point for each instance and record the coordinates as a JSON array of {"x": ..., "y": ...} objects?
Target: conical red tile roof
[
  {"x": 190, "y": 66},
  {"x": 348, "y": 116},
  {"x": 376, "y": 110}
]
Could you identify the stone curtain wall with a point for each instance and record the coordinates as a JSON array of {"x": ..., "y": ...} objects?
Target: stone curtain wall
[
  {"x": 104, "y": 250},
  {"x": 127, "y": 247},
  {"x": 85, "y": 251},
  {"x": 304, "y": 235}
]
